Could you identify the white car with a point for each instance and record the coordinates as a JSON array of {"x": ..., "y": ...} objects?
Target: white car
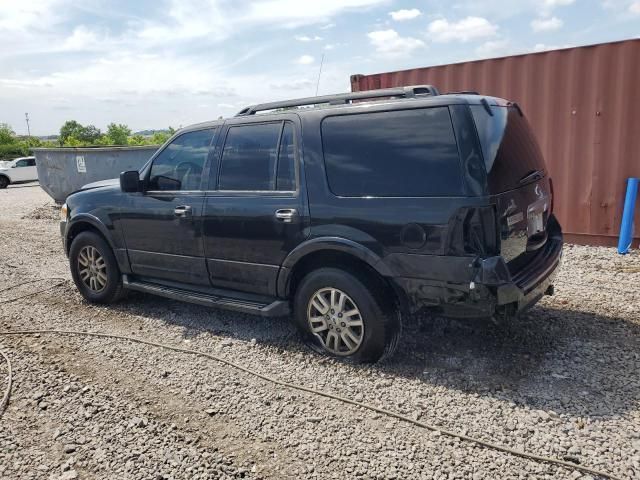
[{"x": 18, "y": 171}]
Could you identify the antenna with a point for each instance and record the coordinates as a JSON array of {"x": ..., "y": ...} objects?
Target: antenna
[
  {"x": 26, "y": 116},
  {"x": 319, "y": 73}
]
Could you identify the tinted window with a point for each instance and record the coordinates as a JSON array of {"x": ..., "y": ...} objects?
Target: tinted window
[
  {"x": 286, "y": 178},
  {"x": 251, "y": 159},
  {"x": 31, "y": 162},
  {"x": 21, "y": 163},
  {"x": 409, "y": 153},
  {"x": 509, "y": 147},
  {"x": 179, "y": 166}
]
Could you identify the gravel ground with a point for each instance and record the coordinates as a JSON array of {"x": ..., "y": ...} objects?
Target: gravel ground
[{"x": 562, "y": 381}]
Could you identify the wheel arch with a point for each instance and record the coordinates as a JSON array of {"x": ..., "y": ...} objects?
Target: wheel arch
[
  {"x": 84, "y": 223},
  {"x": 338, "y": 253}
]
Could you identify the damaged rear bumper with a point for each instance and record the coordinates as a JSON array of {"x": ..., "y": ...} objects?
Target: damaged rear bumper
[{"x": 468, "y": 287}]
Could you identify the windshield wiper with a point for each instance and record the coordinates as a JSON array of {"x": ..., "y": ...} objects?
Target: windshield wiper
[{"x": 531, "y": 176}]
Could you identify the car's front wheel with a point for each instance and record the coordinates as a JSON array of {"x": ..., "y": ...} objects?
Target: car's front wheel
[
  {"x": 342, "y": 316},
  {"x": 94, "y": 269},
  {"x": 4, "y": 181}
]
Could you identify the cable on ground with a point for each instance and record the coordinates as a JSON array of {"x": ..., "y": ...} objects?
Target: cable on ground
[{"x": 493, "y": 446}]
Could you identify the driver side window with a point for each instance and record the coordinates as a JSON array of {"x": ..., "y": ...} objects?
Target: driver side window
[{"x": 179, "y": 166}]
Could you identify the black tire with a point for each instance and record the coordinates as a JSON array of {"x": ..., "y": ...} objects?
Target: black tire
[
  {"x": 4, "y": 181},
  {"x": 113, "y": 290},
  {"x": 378, "y": 313}
]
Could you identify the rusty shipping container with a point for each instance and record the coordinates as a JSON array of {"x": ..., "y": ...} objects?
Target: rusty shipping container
[{"x": 584, "y": 106}]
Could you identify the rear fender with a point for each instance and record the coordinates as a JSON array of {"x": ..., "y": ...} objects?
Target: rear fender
[{"x": 338, "y": 244}]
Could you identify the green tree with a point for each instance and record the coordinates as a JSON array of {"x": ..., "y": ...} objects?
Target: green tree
[
  {"x": 7, "y": 135},
  {"x": 137, "y": 140},
  {"x": 89, "y": 134},
  {"x": 118, "y": 133},
  {"x": 70, "y": 128}
]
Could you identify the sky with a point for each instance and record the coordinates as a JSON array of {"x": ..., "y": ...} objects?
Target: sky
[{"x": 157, "y": 63}]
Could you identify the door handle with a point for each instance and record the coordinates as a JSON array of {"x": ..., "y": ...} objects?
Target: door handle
[
  {"x": 182, "y": 211},
  {"x": 286, "y": 215}
]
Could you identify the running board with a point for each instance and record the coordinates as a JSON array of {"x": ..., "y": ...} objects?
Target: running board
[{"x": 277, "y": 308}]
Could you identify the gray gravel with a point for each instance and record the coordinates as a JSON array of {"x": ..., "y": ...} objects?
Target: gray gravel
[{"x": 563, "y": 381}]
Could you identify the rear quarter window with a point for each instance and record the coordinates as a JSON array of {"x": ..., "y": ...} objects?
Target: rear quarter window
[
  {"x": 407, "y": 153},
  {"x": 509, "y": 147}
]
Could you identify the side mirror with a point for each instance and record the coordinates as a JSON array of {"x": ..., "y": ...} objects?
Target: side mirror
[{"x": 130, "y": 181}]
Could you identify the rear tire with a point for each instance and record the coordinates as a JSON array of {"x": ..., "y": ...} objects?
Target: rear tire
[
  {"x": 345, "y": 317},
  {"x": 4, "y": 182},
  {"x": 94, "y": 269}
]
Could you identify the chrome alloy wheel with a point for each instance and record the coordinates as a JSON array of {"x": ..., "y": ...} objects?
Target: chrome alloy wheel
[
  {"x": 335, "y": 319},
  {"x": 92, "y": 268}
]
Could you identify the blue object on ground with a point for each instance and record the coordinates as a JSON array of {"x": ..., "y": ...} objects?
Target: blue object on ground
[{"x": 626, "y": 226}]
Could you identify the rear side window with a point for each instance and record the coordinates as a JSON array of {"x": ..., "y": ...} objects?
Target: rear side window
[
  {"x": 408, "y": 153},
  {"x": 509, "y": 147},
  {"x": 259, "y": 157}
]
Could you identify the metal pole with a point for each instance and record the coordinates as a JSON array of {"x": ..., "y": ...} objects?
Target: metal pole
[
  {"x": 26, "y": 116},
  {"x": 319, "y": 73},
  {"x": 626, "y": 226}
]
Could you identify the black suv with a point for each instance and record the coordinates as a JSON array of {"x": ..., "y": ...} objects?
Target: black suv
[{"x": 344, "y": 210}]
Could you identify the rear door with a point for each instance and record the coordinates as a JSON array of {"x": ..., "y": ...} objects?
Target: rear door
[
  {"x": 254, "y": 212},
  {"x": 163, "y": 225},
  {"x": 30, "y": 171},
  {"x": 517, "y": 178}
]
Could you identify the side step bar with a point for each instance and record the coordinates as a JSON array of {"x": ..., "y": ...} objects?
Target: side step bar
[{"x": 277, "y": 308}]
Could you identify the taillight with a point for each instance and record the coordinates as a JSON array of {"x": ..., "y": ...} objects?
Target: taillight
[{"x": 551, "y": 193}]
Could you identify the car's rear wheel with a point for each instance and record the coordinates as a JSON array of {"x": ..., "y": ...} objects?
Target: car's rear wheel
[
  {"x": 94, "y": 269},
  {"x": 4, "y": 181},
  {"x": 343, "y": 316}
]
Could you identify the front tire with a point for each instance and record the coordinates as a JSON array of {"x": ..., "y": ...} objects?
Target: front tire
[
  {"x": 94, "y": 269},
  {"x": 4, "y": 182},
  {"x": 342, "y": 316}
]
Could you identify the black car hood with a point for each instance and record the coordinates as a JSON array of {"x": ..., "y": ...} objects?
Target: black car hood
[{"x": 102, "y": 183}]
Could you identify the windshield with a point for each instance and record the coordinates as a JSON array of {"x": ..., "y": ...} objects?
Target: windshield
[{"x": 511, "y": 153}]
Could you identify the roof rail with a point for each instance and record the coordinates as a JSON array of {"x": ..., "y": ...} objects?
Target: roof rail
[{"x": 343, "y": 98}]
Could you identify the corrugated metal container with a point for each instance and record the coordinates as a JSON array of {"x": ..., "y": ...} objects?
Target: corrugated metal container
[
  {"x": 62, "y": 171},
  {"x": 584, "y": 106}
]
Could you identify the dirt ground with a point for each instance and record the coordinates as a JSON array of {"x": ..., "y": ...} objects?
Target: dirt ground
[{"x": 562, "y": 381}]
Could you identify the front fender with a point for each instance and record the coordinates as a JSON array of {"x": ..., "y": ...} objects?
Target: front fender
[{"x": 92, "y": 220}]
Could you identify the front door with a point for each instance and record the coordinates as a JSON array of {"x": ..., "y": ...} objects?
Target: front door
[
  {"x": 163, "y": 225},
  {"x": 253, "y": 215}
]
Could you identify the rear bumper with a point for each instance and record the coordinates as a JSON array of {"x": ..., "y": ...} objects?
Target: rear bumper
[{"x": 469, "y": 287}]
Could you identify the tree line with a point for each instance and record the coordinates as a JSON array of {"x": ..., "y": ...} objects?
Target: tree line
[{"x": 74, "y": 134}]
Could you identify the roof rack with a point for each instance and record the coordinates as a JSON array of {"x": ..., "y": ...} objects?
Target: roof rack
[{"x": 344, "y": 98}]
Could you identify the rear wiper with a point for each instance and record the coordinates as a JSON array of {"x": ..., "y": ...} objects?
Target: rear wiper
[{"x": 531, "y": 176}]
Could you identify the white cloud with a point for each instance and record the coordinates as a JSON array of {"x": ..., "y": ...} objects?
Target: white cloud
[
  {"x": 546, "y": 24},
  {"x": 469, "y": 28},
  {"x": 218, "y": 19},
  {"x": 16, "y": 15},
  {"x": 541, "y": 47},
  {"x": 294, "y": 13},
  {"x": 389, "y": 42},
  {"x": 305, "y": 60},
  {"x": 306, "y": 38},
  {"x": 494, "y": 48},
  {"x": 634, "y": 8},
  {"x": 82, "y": 38},
  {"x": 401, "y": 15},
  {"x": 557, "y": 3}
]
